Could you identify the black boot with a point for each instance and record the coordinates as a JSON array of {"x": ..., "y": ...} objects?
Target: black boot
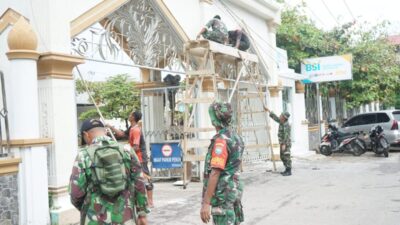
[
  {"x": 284, "y": 172},
  {"x": 288, "y": 172}
]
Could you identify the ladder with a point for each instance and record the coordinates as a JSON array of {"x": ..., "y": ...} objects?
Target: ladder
[{"x": 225, "y": 74}]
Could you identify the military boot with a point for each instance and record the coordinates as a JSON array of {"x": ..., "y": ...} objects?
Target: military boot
[
  {"x": 284, "y": 172},
  {"x": 288, "y": 172}
]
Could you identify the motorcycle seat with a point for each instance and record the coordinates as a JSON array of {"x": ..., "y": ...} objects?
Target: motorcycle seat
[{"x": 342, "y": 136}]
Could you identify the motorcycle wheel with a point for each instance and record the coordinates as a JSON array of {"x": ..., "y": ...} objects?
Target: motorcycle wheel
[
  {"x": 325, "y": 150},
  {"x": 364, "y": 144},
  {"x": 357, "y": 149},
  {"x": 386, "y": 153},
  {"x": 385, "y": 145}
]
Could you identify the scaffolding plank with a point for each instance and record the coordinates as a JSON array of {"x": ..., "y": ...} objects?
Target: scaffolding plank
[
  {"x": 198, "y": 143},
  {"x": 254, "y": 112},
  {"x": 194, "y": 48},
  {"x": 250, "y": 95},
  {"x": 200, "y": 72},
  {"x": 228, "y": 50},
  {"x": 193, "y": 158},
  {"x": 247, "y": 129},
  {"x": 225, "y": 58},
  {"x": 202, "y": 129},
  {"x": 197, "y": 100}
]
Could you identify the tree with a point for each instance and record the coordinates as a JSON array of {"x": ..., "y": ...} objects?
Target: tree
[
  {"x": 299, "y": 36},
  {"x": 375, "y": 69},
  {"x": 116, "y": 98}
]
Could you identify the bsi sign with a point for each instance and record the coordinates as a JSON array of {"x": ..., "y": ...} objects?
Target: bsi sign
[{"x": 325, "y": 69}]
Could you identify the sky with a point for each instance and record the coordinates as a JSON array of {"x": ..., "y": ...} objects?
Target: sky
[{"x": 363, "y": 10}]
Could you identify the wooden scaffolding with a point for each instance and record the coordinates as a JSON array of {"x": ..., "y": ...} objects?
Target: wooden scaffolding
[{"x": 219, "y": 72}]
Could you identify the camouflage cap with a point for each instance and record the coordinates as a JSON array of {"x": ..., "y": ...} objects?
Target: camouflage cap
[
  {"x": 286, "y": 115},
  {"x": 220, "y": 114}
]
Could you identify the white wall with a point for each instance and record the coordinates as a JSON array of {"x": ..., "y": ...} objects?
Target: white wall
[
  {"x": 187, "y": 13},
  {"x": 56, "y": 118},
  {"x": 192, "y": 16},
  {"x": 299, "y": 132}
]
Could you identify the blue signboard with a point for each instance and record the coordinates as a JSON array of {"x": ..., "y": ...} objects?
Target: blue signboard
[{"x": 166, "y": 155}]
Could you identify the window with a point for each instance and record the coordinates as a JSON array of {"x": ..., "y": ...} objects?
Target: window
[
  {"x": 396, "y": 115},
  {"x": 361, "y": 120},
  {"x": 353, "y": 121},
  {"x": 368, "y": 119},
  {"x": 382, "y": 118}
]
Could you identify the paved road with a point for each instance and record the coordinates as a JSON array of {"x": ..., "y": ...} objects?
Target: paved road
[{"x": 341, "y": 189}]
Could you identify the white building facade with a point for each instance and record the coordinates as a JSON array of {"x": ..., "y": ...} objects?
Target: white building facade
[{"x": 37, "y": 61}]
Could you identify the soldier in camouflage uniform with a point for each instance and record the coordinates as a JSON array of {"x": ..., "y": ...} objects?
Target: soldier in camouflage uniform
[
  {"x": 222, "y": 189},
  {"x": 95, "y": 207},
  {"x": 219, "y": 32},
  {"x": 284, "y": 140}
]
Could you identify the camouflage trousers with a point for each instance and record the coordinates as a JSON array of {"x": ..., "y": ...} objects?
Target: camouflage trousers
[
  {"x": 228, "y": 214},
  {"x": 215, "y": 36},
  {"x": 285, "y": 156}
]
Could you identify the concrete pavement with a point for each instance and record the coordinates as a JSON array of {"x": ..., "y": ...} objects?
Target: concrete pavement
[{"x": 341, "y": 189}]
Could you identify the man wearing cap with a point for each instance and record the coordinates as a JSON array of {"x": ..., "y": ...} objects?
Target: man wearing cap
[
  {"x": 136, "y": 140},
  {"x": 95, "y": 206},
  {"x": 218, "y": 32},
  {"x": 222, "y": 188},
  {"x": 284, "y": 140}
]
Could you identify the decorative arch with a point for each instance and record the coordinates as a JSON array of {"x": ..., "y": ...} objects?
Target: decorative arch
[
  {"x": 144, "y": 29},
  {"x": 9, "y": 17}
]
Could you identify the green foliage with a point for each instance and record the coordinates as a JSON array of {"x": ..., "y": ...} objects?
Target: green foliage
[
  {"x": 375, "y": 69},
  {"x": 116, "y": 97},
  {"x": 300, "y": 37},
  {"x": 397, "y": 103}
]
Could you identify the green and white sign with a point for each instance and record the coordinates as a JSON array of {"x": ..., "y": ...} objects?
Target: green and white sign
[{"x": 325, "y": 69}]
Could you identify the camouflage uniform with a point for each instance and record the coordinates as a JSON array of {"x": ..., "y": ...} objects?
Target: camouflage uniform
[
  {"x": 226, "y": 202},
  {"x": 218, "y": 33},
  {"x": 284, "y": 139},
  {"x": 99, "y": 209}
]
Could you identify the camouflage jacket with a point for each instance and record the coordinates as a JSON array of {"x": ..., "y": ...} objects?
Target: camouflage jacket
[
  {"x": 283, "y": 131},
  {"x": 218, "y": 25},
  {"x": 229, "y": 188},
  {"x": 99, "y": 209}
]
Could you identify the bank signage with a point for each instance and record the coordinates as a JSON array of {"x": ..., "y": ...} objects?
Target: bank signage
[{"x": 325, "y": 69}]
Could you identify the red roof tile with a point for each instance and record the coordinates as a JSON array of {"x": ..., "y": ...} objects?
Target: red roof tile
[{"x": 394, "y": 39}]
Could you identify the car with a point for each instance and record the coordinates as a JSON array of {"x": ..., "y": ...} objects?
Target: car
[{"x": 387, "y": 119}]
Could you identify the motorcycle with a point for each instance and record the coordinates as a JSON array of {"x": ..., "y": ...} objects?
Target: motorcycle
[
  {"x": 335, "y": 141},
  {"x": 379, "y": 144}
]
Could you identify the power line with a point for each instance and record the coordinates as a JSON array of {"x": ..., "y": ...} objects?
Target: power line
[
  {"x": 330, "y": 12},
  {"x": 237, "y": 18},
  {"x": 348, "y": 9},
  {"x": 315, "y": 15}
]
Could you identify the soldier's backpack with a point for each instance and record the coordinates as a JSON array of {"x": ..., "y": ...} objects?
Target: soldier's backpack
[{"x": 108, "y": 168}]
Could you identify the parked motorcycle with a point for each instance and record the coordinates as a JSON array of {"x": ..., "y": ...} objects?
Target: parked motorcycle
[
  {"x": 335, "y": 141},
  {"x": 379, "y": 144}
]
